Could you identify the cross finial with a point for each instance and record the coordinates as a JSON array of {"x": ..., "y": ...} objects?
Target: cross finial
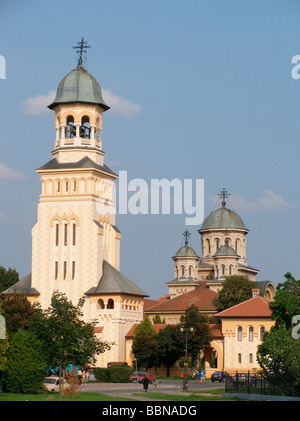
[
  {"x": 224, "y": 194},
  {"x": 81, "y": 48},
  {"x": 186, "y": 235}
]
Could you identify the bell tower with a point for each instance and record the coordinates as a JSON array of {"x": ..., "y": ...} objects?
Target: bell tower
[{"x": 75, "y": 230}]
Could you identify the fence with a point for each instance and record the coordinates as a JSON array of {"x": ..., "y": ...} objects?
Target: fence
[{"x": 256, "y": 383}]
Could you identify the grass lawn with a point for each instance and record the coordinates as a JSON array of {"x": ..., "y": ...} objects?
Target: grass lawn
[{"x": 46, "y": 397}]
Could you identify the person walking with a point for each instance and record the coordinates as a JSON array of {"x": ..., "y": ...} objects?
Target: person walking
[
  {"x": 79, "y": 374},
  {"x": 202, "y": 376},
  {"x": 146, "y": 382},
  {"x": 196, "y": 375}
]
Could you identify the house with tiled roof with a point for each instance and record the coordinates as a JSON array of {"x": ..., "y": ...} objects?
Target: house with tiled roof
[{"x": 243, "y": 327}]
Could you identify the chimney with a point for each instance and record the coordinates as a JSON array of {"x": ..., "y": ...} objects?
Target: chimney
[{"x": 255, "y": 292}]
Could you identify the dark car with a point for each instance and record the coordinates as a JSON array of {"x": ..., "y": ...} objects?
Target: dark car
[
  {"x": 218, "y": 376},
  {"x": 138, "y": 376}
]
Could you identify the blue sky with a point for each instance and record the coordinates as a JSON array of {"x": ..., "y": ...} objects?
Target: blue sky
[{"x": 198, "y": 90}]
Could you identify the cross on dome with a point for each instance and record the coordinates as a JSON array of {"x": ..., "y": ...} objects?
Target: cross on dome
[
  {"x": 224, "y": 195},
  {"x": 81, "y": 48}
]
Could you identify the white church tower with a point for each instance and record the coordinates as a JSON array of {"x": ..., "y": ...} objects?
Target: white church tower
[
  {"x": 75, "y": 229},
  {"x": 75, "y": 242}
]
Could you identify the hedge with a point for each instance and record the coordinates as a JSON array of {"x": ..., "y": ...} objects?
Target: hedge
[{"x": 113, "y": 374}]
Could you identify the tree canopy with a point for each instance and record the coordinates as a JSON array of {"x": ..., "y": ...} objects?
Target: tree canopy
[{"x": 236, "y": 289}]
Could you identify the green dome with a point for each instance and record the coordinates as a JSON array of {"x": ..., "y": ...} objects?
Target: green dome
[
  {"x": 223, "y": 218},
  {"x": 79, "y": 86},
  {"x": 226, "y": 250},
  {"x": 186, "y": 251}
]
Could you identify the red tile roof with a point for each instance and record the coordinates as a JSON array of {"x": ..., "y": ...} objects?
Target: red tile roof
[
  {"x": 254, "y": 307},
  {"x": 201, "y": 297},
  {"x": 216, "y": 330}
]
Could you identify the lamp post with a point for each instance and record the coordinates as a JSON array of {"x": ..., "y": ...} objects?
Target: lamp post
[{"x": 188, "y": 332}]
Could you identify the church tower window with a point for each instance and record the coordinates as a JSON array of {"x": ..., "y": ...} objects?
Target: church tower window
[
  {"x": 85, "y": 130},
  {"x": 56, "y": 234},
  {"x": 73, "y": 269},
  {"x": 65, "y": 234},
  {"x": 56, "y": 270},
  {"x": 65, "y": 269},
  {"x": 71, "y": 129},
  {"x": 110, "y": 304}
]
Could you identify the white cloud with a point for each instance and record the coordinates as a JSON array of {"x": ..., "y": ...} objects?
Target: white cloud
[
  {"x": 119, "y": 105},
  {"x": 267, "y": 201},
  {"x": 7, "y": 173},
  {"x": 39, "y": 104}
]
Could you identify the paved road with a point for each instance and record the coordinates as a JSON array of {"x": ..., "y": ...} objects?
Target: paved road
[{"x": 162, "y": 386}]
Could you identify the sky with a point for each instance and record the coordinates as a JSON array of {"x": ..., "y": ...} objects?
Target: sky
[{"x": 198, "y": 90}]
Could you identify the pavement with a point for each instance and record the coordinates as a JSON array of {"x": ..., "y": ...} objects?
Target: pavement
[{"x": 126, "y": 390}]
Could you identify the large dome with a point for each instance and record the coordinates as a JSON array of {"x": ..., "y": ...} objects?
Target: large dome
[
  {"x": 223, "y": 218},
  {"x": 79, "y": 86}
]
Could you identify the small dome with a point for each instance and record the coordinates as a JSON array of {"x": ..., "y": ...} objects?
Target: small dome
[
  {"x": 186, "y": 251},
  {"x": 226, "y": 250},
  {"x": 223, "y": 218},
  {"x": 79, "y": 86}
]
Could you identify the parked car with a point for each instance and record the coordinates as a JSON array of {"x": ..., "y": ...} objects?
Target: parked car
[
  {"x": 218, "y": 376},
  {"x": 51, "y": 383},
  {"x": 138, "y": 376}
]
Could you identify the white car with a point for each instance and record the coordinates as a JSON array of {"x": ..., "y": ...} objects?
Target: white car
[{"x": 52, "y": 383}]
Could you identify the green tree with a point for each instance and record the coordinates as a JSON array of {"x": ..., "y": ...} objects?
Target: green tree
[
  {"x": 66, "y": 337},
  {"x": 236, "y": 289},
  {"x": 17, "y": 311},
  {"x": 170, "y": 346},
  {"x": 286, "y": 303},
  {"x": 8, "y": 277},
  {"x": 144, "y": 344},
  {"x": 279, "y": 358},
  {"x": 24, "y": 369},
  {"x": 279, "y": 354},
  {"x": 201, "y": 336}
]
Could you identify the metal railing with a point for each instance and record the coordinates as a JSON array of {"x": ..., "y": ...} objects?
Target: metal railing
[{"x": 256, "y": 383}]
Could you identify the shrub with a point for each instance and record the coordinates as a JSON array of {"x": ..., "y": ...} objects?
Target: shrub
[
  {"x": 119, "y": 373},
  {"x": 25, "y": 365},
  {"x": 101, "y": 375}
]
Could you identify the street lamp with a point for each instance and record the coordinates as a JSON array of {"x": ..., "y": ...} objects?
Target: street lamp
[{"x": 187, "y": 332}]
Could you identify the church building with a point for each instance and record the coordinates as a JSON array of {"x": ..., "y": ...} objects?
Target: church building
[{"x": 76, "y": 242}]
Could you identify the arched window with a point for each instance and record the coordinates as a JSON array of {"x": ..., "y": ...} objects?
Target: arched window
[
  {"x": 239, "y": 333},
  {"x": 71, "y": 129},
  {"x": 261, "y": 333},
  {"x": 100, "y": 304},
  {"x": 251, "y": 333},
  {"x": 207, "y": 247},
  {"x": 190, "y": 271},
  {"x": 110, "y": 304},
  {"x": 182, "y": 270},
  {"x": 223, "y": 269},
  {"x": 85, "y": 131}
]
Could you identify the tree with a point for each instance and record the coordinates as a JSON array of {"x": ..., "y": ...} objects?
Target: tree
[
  {"x": 66, "y": 337},
  {"x": 24, "y": 370},
  {"x": 170, "y": 346},
  {"x": 144, "y": 344},
  {"x": 236, "y": 289},
  {"x": 17, "y": 311},
  {"x": 279, "y": 358},
  {"x": 8, "y": 278},
  {"x": 286, "y": 302},
  {"x": 201, "y": 336},
  {"x": 279, "y": 354}
]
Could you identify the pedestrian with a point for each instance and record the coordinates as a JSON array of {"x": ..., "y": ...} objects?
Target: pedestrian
[
  {"x": 202, "y": 374},
  {"x": 83, "y": 376},
  {"x": 79, "y": 374},
  {"x": 87, "y": 375},
  {"x": 196, "y": 375},
  {"x": 146, "y": 382}
]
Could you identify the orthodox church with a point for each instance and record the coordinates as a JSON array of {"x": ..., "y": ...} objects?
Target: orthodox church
[{"x": 76, "y": 243}]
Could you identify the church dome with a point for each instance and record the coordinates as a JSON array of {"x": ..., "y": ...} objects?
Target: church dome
[
  {"x": 223, "y": 218},
  {"x": 79, "y": 86},
  {"x": 186, "y": 251}
]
